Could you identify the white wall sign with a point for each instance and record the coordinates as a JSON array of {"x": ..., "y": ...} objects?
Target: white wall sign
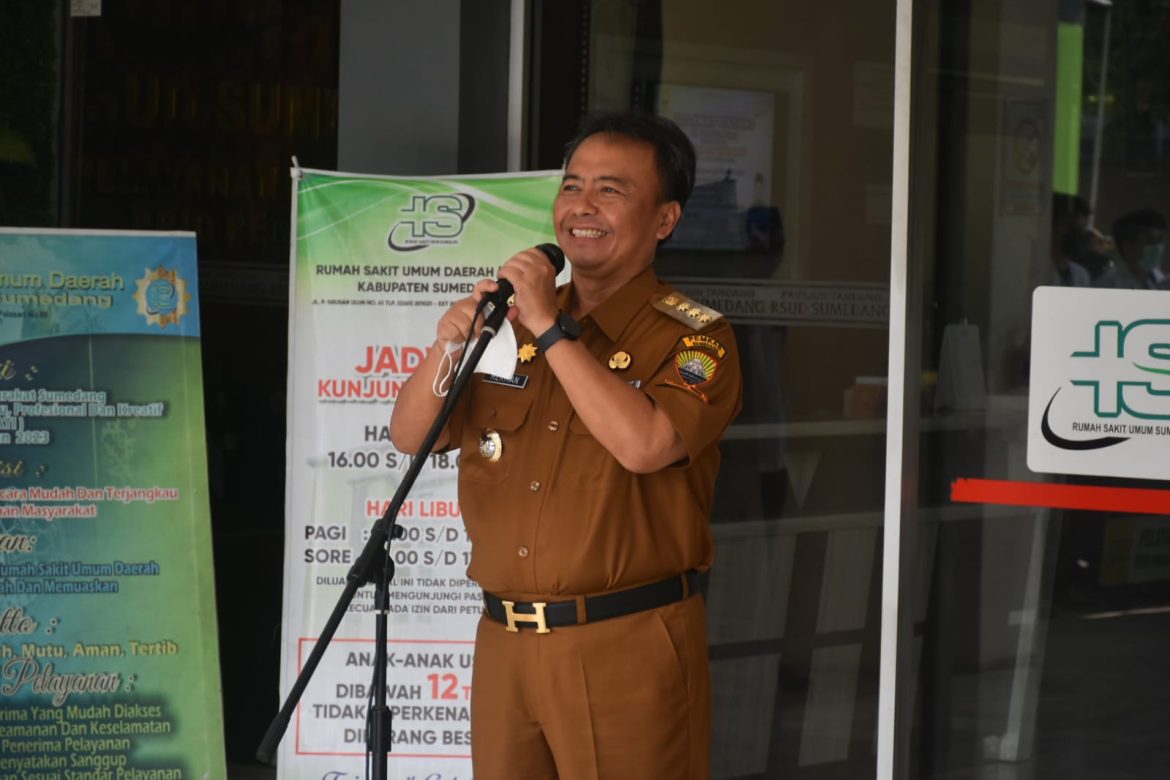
[{"x": 1099, "y": 398}]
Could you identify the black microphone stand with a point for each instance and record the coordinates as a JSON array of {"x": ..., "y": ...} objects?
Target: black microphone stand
[{"x": 374, "y": 565}]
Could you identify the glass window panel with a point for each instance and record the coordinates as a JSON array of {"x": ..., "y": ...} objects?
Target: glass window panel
[{"x": 1040, "y": 160}]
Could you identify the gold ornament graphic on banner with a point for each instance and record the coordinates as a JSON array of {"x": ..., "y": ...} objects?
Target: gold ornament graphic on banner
[{"x": 162, "y": 297}]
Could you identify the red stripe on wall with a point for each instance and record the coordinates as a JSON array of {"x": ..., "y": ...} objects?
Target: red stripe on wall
[{"x": 1098, "y": 499}]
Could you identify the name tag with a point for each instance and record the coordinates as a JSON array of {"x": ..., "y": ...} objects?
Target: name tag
[{"x": 518, "y": 381}]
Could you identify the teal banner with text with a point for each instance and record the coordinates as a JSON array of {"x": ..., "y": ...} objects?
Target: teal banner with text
[{"x": 109, "y": 664}]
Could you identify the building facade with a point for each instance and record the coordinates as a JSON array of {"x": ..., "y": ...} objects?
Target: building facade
[{"x": 881, "y": 188}]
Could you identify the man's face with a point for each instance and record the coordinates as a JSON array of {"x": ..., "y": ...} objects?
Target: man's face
[
  {"x": 608, "y": 214},
  {"x": 1153, "y": 251},
  {"x": 1144, "y": 253}
]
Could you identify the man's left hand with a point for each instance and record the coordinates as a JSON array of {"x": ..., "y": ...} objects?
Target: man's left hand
[{"x": 534, "y": 280}]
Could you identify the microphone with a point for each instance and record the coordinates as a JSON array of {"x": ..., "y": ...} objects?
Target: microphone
[{"x": 555, "y": 255}]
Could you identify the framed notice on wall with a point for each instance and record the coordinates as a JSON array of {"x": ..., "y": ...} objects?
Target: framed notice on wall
[{"x": 732, "y": 133}]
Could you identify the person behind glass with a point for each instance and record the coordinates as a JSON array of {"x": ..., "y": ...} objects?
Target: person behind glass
[
  {"x": 586, "y": 483},
  {"x": 1070, "y": 220},
  {"x": 1140, "y": 240}
]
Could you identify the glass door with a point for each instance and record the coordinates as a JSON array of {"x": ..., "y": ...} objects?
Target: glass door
[
  {"x": 790, "y": 107},
  {"x": 1041, "y": 606}
]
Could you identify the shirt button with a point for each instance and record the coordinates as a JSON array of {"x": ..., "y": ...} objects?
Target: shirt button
[
  {"x": 535, "y": 486},
  {"x": 553, "y": 425},
  {"x": 522, "y": 552}
]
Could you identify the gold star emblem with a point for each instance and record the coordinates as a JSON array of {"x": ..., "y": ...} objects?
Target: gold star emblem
[
  {"x": 526, "y": 353},
  {"x": 670, "y": 300},
  {"x": 705, "y": 318}
]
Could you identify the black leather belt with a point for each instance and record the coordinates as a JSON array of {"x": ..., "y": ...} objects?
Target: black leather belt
[{"x": 544, "y": 616}]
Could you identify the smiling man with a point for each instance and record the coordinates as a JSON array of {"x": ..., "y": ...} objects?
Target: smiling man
[{"x": 586, "y": 485}]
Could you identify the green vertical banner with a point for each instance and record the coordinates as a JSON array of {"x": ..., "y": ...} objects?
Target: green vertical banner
[
  {"x": 1066, "y": 152},
  {"x": 376, "y": 261},
  {"x": 109, "y": 664}
]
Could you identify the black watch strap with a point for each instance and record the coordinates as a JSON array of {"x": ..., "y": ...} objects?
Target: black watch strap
[{"x": 559, "y": 330}]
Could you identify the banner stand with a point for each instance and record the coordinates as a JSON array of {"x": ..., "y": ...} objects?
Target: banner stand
[
  {"x": 375, "y": 565},
  {"x": 109, "y": 650},
  {"x": 376, "y": 260}
]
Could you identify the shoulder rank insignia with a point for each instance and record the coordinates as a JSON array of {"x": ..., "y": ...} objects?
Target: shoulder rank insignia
[{"x": 685, "y": 310}]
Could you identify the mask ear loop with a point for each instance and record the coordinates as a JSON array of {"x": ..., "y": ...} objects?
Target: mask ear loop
[
  {"x": 447, "y": 368},
  {"x": 440, "y": 385}
]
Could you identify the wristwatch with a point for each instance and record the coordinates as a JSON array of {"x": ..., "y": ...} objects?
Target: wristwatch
[{"x": 565, "y": 327}]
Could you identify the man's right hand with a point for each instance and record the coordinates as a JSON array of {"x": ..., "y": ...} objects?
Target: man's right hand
[
  {"x": 417, "y": 405},
  {"x": 453, "y": 326}
]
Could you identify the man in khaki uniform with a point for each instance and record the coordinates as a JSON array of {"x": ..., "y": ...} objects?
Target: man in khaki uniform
[{"x": 586, "y": 482}]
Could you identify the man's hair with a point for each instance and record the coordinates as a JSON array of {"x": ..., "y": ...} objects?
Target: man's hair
[
  {"x": 674, "y": 155},
  {"x": 1133, "y": 226},
  {"x": 1065, "y": 206}
]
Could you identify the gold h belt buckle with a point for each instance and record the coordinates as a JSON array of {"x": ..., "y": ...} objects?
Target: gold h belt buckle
[{"x": 536, "y": 618}]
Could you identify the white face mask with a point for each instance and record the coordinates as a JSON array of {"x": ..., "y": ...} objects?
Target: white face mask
[{"x": 499, "y": 359}]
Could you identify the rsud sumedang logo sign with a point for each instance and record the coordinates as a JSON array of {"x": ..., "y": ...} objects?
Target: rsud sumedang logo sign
[
  {"x": 430, "y": 220},
  {"x": 1100, "y": 386}
]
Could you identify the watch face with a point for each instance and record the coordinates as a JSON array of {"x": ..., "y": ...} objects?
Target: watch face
[{"x": 569, "y": 326}]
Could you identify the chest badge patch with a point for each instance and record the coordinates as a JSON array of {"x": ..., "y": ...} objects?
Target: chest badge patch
[
  {"x": 620, "y": 361},
  {"x": 695, "y": 368},
  {"x": 526, "y": 353},
  {"x": 491, "y": 446}
]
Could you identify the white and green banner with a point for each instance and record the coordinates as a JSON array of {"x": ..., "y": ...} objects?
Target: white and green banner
[
  {"x": 109, "y": 664},
  {"x": 375, "y": 263}
]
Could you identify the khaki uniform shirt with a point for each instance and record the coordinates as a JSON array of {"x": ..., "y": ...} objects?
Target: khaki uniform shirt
[{"x": 556, "y": 514}]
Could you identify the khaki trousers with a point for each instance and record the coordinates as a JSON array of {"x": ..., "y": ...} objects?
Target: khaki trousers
[{"x": 623, "y": 698}]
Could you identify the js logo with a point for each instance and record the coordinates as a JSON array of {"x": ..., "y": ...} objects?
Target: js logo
[
  {"x": 1127, "y": 371},
  {"x": 1134, "y": 358},
  {"x": 430, "y": 219}
]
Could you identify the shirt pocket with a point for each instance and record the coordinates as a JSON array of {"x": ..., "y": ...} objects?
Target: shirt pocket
[
  {"x": 585, "y": 459},
  {"x": 503, "y": 416}
]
